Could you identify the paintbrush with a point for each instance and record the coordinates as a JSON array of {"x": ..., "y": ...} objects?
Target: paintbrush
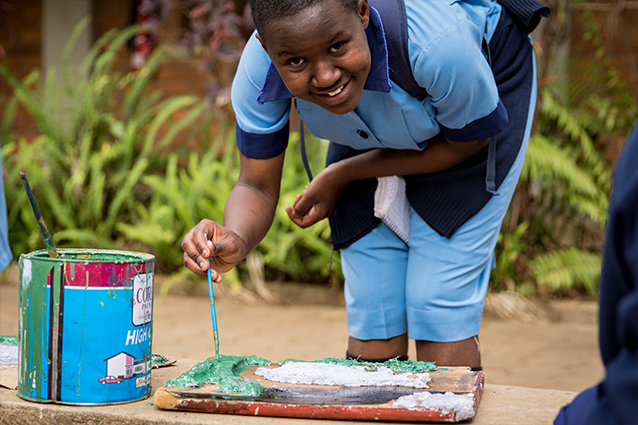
[
  {"x": 48, "y": 241},
  {"x": 212, "y": 306}
]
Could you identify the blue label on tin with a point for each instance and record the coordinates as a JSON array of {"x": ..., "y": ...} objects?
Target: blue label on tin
[{"x": 106, "y": 343}]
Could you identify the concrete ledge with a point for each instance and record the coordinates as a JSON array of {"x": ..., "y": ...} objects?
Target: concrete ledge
[{"x": 500, "y": 405}]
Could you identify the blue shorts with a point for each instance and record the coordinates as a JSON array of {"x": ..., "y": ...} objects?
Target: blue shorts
[{"x": 434, "y": 289}]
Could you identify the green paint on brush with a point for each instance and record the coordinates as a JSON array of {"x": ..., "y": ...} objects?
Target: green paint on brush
[
  {"x": 395, "y": 365},
  {"x": 8, "y": 340},
  {"x": 224, "y": 371}
]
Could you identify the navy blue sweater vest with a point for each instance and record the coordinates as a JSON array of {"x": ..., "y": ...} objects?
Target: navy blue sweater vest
[{"x": 446, "y": 200}]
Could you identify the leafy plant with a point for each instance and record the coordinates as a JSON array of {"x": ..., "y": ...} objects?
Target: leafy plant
[
  {"x": 562, "y": 197},
  {"x": 186, "y": 194},
  {"x": 568, "y": 268},
  {"x": 99, "y": 135}
]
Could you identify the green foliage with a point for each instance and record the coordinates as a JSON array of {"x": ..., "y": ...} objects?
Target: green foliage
[
  {"x": 301, "y": 253},
  {"x": 110, "y": 170},
  {"x": 568, "y": 268},
  {"x": 101, "y": 131},
  {"x": 563, "y": 194},
  {"x": 198, "y": 190},
  {"x": 512, "y": 247},
  {"x": 106, "y": 174}
]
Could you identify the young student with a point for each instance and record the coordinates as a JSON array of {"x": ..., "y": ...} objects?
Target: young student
[
  {"x": 459, "y": 148},
  {"x": 615, "y": 399}
]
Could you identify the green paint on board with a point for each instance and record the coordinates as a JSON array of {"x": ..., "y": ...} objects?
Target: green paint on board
[
  {"x": 395, "y": 365},
  {"x": 159, "y": 360},
  {"x": 8, "y": 340},
  {"x": 224, "y": 371}
]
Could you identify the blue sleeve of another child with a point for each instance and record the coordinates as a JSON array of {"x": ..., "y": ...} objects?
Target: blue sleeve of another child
[
  {"x": 5, "y": 251},
  {"x": 447, "y": 60},
  {"x": 261, "y": 130},
  {"x": 617, "y": 400}
]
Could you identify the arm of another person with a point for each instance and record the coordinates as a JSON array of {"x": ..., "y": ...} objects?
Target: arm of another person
[
  {"x": 248, "y": 215},
  {"x": 320, "y": 196}
]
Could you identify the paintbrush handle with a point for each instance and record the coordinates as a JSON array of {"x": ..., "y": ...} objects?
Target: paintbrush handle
[
  {"x": 48, "y": 241},
  {"x": 213, "y": 313}
]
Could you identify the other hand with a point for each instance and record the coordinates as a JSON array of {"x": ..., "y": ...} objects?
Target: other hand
[{"x": 319, "y": 199}]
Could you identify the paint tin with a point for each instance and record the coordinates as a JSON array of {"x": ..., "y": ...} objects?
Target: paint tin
[{"x": 86, "y": 326}]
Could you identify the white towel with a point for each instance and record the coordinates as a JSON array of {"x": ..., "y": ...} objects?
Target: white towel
[{"x": 392, "y": 206}]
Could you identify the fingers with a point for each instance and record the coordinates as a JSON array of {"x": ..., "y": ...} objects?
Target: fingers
[
  {"x": 301, "y": 206},
  {"x": 195, "y": 246},
  {"x": 191, "y": 265},
  {"x": 198, "y": 247},
  {"x": 195, "y": 268},
  {"x": 306, "y": 220}
]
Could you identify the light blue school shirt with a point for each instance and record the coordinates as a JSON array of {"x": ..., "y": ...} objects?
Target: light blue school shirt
[{"x": 462, "y": 102}]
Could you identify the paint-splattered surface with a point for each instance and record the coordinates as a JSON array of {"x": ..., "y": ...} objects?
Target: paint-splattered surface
[
  {"x": 225, "y": 371},
  {"x": 309, "y": 373},
  {"x": 261, "y": 390}
]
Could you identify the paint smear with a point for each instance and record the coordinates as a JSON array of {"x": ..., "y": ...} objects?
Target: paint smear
[
  {"x": 396, "y": 365},
  {"x": 309, "y": 373},
  {"x": 8, "y": 354},
  {"x": 224, "y": 371},
  {"x": 8, "y": 340},
  {"x": 446, "y": 403}
]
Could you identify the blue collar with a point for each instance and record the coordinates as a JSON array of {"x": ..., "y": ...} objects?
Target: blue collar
[{"x": 378, "y": 78}]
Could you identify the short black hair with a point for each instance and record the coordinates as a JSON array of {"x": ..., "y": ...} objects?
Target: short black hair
[{"x": 265, "y": 11}]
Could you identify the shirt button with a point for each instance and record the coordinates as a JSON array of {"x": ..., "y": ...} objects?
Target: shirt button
[{"x": 362, "y": 134}]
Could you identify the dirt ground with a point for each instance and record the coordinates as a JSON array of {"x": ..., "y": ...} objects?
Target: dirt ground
[{"x": 555, "y": 351}]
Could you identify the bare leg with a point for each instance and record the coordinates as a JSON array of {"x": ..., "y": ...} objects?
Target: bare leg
[
  {"x": 379, "y": 348},
  {"x": 457, "y": 353}
]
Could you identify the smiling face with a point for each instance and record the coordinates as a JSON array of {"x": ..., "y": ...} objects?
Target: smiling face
[{"x": 322, "y": 54}]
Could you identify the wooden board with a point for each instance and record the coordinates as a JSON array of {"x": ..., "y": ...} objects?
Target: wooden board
[{"x": 325, "y": 402}]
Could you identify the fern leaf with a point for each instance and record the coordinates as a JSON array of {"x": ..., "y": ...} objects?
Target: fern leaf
[
  {"x": 149, "y": 234},
  {"x": 166, "y": 110},
  {"x": 124, "y": 194},
  {"x": 567, "y": 268},
  {"x": 82, "y": 238}
]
